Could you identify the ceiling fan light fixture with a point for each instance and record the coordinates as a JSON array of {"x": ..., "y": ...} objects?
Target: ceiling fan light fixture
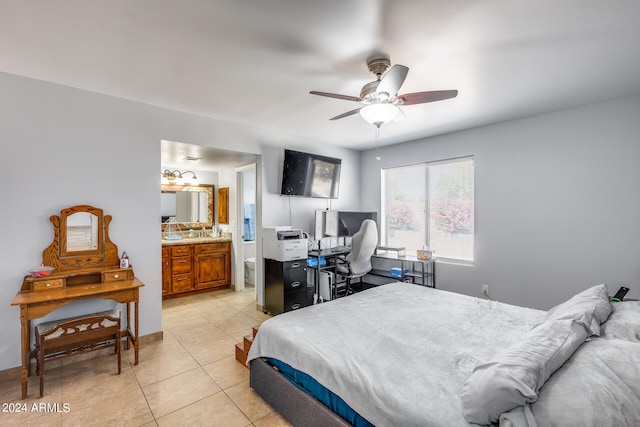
[
  {"x": 379, "y": 99},
  {"x": 379, "y": 114}
]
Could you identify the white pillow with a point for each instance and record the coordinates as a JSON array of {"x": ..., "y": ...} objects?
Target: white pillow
[
  {"x": 513, "y": 377},
  {"x": 598, "y": 386},
  {"x": 624, "y": 322},
  {"x": 590, "y": 307}
]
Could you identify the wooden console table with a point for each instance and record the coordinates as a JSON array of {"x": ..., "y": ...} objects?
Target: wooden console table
[{"x": 34, "y": 305}]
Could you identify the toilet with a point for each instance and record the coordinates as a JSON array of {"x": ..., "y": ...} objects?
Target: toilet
[{"x": 250, "y": 271}]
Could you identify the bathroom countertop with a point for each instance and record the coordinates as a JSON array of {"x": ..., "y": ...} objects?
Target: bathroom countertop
[{"x": 194, "y": 240}]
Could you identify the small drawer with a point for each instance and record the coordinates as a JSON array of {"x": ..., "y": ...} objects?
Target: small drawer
[
  {"x": 299, "y": 263},
  {"x": 211, "y": 248},
  {"x": 45, "y": 285},
  {"x": 295, "y": 285},
  {"x": 294, "y": 279},
  {"x": 295, "y": 300},
  {"x": 181, "y": 283},
  {"x": 181, "y": 264},
  {"x": 181, "y": 250},
  {"x": 114, "y": 276}
]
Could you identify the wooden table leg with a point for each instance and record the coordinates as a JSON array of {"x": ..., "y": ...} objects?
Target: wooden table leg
[
  {"x": 25, "y": 337},
  {"x": 128, "y": 330},
  {"x": 136, "y": 343}
]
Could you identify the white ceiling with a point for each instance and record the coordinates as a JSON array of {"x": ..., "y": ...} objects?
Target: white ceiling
[{"x": 254, "y": 62}]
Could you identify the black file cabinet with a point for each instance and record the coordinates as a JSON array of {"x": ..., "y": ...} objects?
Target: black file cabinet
[{"x": 285, "y": 286}]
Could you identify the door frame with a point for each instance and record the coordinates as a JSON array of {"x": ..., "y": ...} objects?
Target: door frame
[{"x": 239, "y": 285}]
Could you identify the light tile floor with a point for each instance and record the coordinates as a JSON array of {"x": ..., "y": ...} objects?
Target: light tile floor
[{"x": 190, "y": 378}]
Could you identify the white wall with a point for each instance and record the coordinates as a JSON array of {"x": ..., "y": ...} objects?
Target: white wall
[
  {"x": 294, "y": 211},
  {"x": 556, "y": 194},
  {"x": 557, "y": 202},
  {"x": 62, "y": 147}
]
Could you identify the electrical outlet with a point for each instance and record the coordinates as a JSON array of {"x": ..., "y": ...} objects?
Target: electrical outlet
[{"x": 485, "y": 289}]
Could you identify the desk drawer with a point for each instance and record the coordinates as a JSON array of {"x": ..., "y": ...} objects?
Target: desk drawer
[
  {"x": 295, "y": 300},
  {"x": 46, "y": 284},
  {"x": 295, "y": 279},
  {"x": 181, "y": 264},
  {"x": 292, "y": 265},
  {"x": 114, "y": 276}
]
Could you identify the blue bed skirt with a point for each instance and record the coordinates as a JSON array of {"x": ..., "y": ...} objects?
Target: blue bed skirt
[{"x": 310, "y": 386}]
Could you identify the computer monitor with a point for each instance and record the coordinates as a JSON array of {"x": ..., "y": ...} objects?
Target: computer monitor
[
  {"x": 340, "y": 223},
  {"x": 349, "y": 222}
]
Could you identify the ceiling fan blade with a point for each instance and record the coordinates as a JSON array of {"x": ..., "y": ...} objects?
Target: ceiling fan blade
[
  {"x": 347, "y": 114},
  {"x": 392, "y": 80},
  {"x": 424, "y": 97},
  {"x": 335, "y": 95}
]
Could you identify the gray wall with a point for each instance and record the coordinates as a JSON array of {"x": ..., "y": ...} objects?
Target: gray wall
[
  {"x": 557, "y": 202},
  {"x": 62, "y": 146}
]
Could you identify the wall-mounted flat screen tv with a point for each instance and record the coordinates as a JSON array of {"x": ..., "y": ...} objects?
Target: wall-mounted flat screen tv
[{"x": 310, "y": 175}]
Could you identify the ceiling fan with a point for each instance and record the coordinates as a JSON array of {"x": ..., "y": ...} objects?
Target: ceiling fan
[{"x": 380, "y": 99}]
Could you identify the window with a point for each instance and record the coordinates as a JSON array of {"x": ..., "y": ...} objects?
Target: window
[{"x": 433, "y": 204}]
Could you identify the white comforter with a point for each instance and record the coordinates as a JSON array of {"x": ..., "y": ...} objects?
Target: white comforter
[{"x": 397, "y": 354}]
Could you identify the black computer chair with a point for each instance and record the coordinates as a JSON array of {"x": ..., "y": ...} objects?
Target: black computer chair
[{"x": 358, "y": 262}]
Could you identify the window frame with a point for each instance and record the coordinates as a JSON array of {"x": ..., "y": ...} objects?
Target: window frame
[{"x": 428, "y": 205}]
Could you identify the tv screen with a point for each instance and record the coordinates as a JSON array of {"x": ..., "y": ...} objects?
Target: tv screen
[{"x": 310, "y": 175}]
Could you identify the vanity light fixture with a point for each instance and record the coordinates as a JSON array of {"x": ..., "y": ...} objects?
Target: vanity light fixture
[{"x": 175, "y": 177}]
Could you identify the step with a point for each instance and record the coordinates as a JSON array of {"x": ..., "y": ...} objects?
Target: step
[
  {"x": 242, "y": 348},
  {"x": 241, "y": 355},
  {"x": 247, "y": 341}
]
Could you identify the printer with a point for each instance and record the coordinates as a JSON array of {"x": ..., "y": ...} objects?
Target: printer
[{"x": 284, "y": 243}]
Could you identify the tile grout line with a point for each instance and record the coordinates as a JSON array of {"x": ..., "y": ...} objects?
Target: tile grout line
[{"x": 201, "y": 366}]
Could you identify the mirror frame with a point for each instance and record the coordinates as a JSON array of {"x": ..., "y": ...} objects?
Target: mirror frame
[
  {"x": 208, "y": 188},
  {"x": 56, "y": 254},
  {"x": 64, "y": 215}
]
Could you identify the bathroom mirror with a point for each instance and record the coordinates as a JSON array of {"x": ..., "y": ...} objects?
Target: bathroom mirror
[
  {"x": 81, "y": 232},
  {"x": 191, "y": 205}
]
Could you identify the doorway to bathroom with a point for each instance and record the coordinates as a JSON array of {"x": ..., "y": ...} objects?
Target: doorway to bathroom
[{"x": 247, "y": 217}]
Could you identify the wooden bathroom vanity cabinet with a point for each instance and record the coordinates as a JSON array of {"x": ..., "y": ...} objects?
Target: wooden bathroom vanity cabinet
[{"x": 195, "y": 266}]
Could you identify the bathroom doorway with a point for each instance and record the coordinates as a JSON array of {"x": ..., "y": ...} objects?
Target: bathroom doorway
[{"x": 247, "y": 225}]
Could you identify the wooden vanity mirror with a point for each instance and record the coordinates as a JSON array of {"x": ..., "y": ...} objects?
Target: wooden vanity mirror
[
  {"x": 81, "y": 240},
  {"x": 80, "y": 231},
  {"x": 191, "y": 205}
]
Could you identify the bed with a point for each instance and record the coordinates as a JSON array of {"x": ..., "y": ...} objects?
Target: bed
[{"x": 402, "y": 354}]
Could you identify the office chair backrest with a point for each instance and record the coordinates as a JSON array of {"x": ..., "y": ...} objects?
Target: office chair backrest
[{"x": 363, "y": 245}]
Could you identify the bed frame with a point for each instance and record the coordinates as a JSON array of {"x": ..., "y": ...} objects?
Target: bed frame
[{"x": 296, "y": 406}]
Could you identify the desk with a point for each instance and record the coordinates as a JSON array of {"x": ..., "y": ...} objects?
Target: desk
[
  {"x": 330, "y": 256},
  {"x": 34, "y": 305},
  {"x": 425, "y": 270},
  {"x": 415, "y": 268}
]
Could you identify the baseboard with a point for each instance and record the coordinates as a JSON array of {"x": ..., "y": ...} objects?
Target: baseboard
[{"x": 149, "y": 338}]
